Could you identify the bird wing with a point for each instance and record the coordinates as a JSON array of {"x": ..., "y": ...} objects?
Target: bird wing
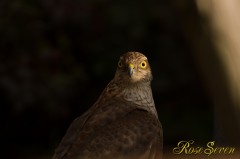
[
  {"x": 117, "y": 130},
  {"x": 70, "y": 136},
  {"x": 136, "y": 135}
]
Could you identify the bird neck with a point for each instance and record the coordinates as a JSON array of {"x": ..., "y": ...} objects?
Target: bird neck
[{"x": 139, "y": 94}]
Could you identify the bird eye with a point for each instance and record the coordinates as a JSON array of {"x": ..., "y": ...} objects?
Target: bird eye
[
  {"x": 120, "y": 64},
  {"x": 143, "y": 64}
]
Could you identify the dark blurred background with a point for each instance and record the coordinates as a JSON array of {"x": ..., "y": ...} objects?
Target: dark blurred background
[{"x": 58, "y": 55}]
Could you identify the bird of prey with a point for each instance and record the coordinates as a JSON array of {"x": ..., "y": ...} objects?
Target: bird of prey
[{"x": 123, "y": 123}]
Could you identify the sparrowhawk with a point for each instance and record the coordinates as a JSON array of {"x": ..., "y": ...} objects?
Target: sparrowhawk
[{"x": 123, "y": 123}]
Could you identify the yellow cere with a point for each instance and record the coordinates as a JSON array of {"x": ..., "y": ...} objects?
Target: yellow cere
[{"x": 131, "y": 65}]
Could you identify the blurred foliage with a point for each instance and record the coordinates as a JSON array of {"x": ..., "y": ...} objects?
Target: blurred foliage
[{"x": 58, "y": 55}]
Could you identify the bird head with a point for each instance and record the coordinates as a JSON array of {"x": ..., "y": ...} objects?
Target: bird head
[{"x": 133, "y": 67}]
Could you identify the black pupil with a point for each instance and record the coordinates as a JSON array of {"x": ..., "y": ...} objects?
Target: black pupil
[{"x": 143, "y": 64}]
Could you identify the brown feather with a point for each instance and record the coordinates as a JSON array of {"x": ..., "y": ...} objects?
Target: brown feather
[{"x": 122, "y": 124}]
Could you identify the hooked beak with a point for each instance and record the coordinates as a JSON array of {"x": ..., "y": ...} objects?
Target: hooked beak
[{"x": 130, "y": 69}]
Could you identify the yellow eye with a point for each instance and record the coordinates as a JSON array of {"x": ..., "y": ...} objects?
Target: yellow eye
[
  {"x": 120, "y": 64},
  {"x": 143, "y": 64}
]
